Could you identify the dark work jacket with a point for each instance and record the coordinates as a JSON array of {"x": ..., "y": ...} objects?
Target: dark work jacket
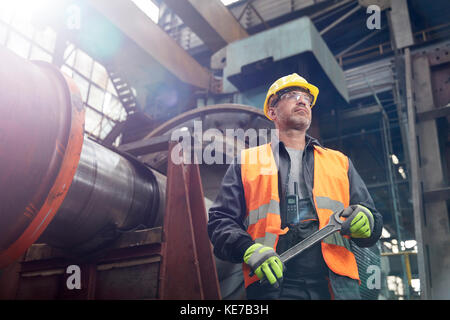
[{"x": 227, "y": 215}]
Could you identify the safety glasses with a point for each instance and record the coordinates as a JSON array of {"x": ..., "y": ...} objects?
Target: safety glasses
[
  {"x": 297, "y": 96},
  {"x": 305, "y": 97}
]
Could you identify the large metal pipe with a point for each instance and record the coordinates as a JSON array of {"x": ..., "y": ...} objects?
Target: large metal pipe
[
  {"x": 54, "y": 180},
  {"x": 108, "y": 195}
]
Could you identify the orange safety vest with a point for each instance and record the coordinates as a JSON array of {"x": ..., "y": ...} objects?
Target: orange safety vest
[{"x": 331, "y": 192}]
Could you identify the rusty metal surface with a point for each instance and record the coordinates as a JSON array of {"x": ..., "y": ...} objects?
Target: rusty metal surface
[
  {"x": 440, "y": 80},
  {"x": 210, "y": 20},
  {"x": 439, "y": 55},
  {"x": 187, "y": 266},
  {"x": 9, "y": 281},
  {"x": 210, "y": 282},
  {"x": 151, "y": 38},
  {"x": 129, "y": 270}
]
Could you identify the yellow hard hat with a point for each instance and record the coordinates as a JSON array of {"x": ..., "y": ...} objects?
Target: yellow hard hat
[{"x": 292, "y": 80}]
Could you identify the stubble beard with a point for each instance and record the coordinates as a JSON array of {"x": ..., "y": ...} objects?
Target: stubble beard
[{"x": 298, "y": 123}]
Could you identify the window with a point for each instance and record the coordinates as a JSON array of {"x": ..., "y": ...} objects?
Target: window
[
  {"x": 103, "y": 107},
  {"x": 46, "y": 38},
  {"x": 100, "y": 76},
  {"x": 83, "y": 63},
  {"x": 227, "y": 2},
  {"x": 149, "y": 8},
  {"x": 18, "y": 44},
  {"x": 96, "y": 97},
  {"x": 92, "y": 122},
  {"x": 20, "y": 34},
  {"x": 39, "y": 54},
  {"x": 3, "y": 33}
]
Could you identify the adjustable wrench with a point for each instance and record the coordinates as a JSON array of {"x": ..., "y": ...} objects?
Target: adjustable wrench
[{"x": 335, "y": 224}]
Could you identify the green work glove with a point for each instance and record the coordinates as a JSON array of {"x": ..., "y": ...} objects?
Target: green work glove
[
  {"x": 359, "y": 223},
  {"x": 264, "y": 262}
]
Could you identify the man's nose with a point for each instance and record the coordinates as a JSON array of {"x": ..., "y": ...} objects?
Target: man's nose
[
  {"x": 300, "y": 100},
  {"x": 300, "y": 103}
]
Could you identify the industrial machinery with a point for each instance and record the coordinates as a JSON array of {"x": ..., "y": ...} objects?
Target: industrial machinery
[
  {"x": 103, "y": 184},
  {"x": 48, "y": 168},
  {"x": 70, "y": 201},
  {"x": 251, "y": 63}
]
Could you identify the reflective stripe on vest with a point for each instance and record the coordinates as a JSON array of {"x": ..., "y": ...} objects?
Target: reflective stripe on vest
[
  {"x": 259, "y": 176},
  {"x": 333, "y": 205},
  {"x": 331, "y": 192}
]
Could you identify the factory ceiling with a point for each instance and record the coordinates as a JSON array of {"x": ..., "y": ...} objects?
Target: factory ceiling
[
  {"x": 258, "y": 15},
  {"x": 178, "y": 49},
  {"x": 203, "y": 30}
]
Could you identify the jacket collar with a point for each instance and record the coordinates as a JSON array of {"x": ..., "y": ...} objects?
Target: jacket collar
[{"x": 309, "y": 143}]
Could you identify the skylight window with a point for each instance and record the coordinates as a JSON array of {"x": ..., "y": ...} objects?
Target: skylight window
[
  {"x": 149, "y": 8},
  {"x": 227, "y": 2}
]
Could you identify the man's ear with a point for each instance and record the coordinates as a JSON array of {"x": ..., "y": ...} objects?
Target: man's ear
[{"x": 271, "y": 112}]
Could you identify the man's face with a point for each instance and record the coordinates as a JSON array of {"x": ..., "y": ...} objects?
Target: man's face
[{"x": 292, "y": 111}]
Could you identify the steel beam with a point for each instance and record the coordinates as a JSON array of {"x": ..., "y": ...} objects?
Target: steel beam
[
  {"x": 435, "y": 224},
  {"x": 371, "y": 111},
  {"x": 329, "y": 8},
  {"x": 153, "y": 40},
  {"x": 401, "y": 25},
  {"x": 210, "y": 20},
  {"x": 434, "y": 113},
  {"x": 357, "y": 43},
  {"x": 441, "y": 194},
  {"x": 147, "y": 146},
  {"x": 415, "y": 179},
  {"x": 335, "y": 23}
]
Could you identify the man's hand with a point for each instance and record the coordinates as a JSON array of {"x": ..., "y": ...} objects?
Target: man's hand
[
  {"x": 264, "y": 262},
  {"x": 359, "y": 223}
]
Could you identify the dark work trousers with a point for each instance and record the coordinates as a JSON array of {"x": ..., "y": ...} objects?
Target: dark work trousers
[{"x": 290, "y": 289}]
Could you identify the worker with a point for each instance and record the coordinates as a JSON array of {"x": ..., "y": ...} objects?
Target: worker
[{"x": 253, "y": 219}]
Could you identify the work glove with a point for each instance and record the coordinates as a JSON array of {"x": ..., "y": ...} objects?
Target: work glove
[
  {"x": 359, "y": 223},
  {"x": 264, "y": 262}
]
